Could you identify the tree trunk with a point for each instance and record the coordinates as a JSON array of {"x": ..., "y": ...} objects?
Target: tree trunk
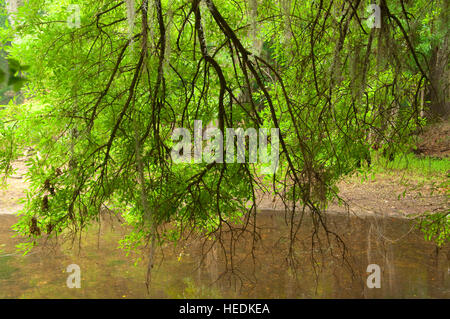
[
  {"x": 438, "y": 90},
  {"x": 11, "y": 8}
]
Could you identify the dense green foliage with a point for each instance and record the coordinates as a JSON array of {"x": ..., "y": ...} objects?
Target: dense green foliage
[
  {"x": 11, "y": 72},
  {"x": 3, "y": 87},
  {"x": 103, "y": 100}
]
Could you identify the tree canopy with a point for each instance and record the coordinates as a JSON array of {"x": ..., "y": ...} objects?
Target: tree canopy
[{"x": 104, "y": 93}]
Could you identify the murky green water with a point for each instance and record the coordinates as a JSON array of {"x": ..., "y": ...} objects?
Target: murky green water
[{"x": 411, "y": 267}]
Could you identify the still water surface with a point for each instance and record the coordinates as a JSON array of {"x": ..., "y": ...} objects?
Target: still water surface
[{"x": 411, "y": 267}]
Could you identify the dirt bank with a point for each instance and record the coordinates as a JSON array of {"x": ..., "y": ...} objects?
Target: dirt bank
[
  {"x": 435, "y": 141},
  {"x": 394, "y": 194},
  {"x": 10, "y": 197}
]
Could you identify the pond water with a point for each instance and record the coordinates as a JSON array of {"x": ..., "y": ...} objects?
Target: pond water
[{"x": 410, "y": 267}]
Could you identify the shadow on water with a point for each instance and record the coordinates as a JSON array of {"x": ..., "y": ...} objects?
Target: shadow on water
[{"x": 410, "y": 267}]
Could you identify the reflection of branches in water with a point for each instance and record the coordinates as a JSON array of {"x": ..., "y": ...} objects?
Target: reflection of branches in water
[
  {"x": 236, "y": 256},
  {"x": 382, "y": 249}
]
